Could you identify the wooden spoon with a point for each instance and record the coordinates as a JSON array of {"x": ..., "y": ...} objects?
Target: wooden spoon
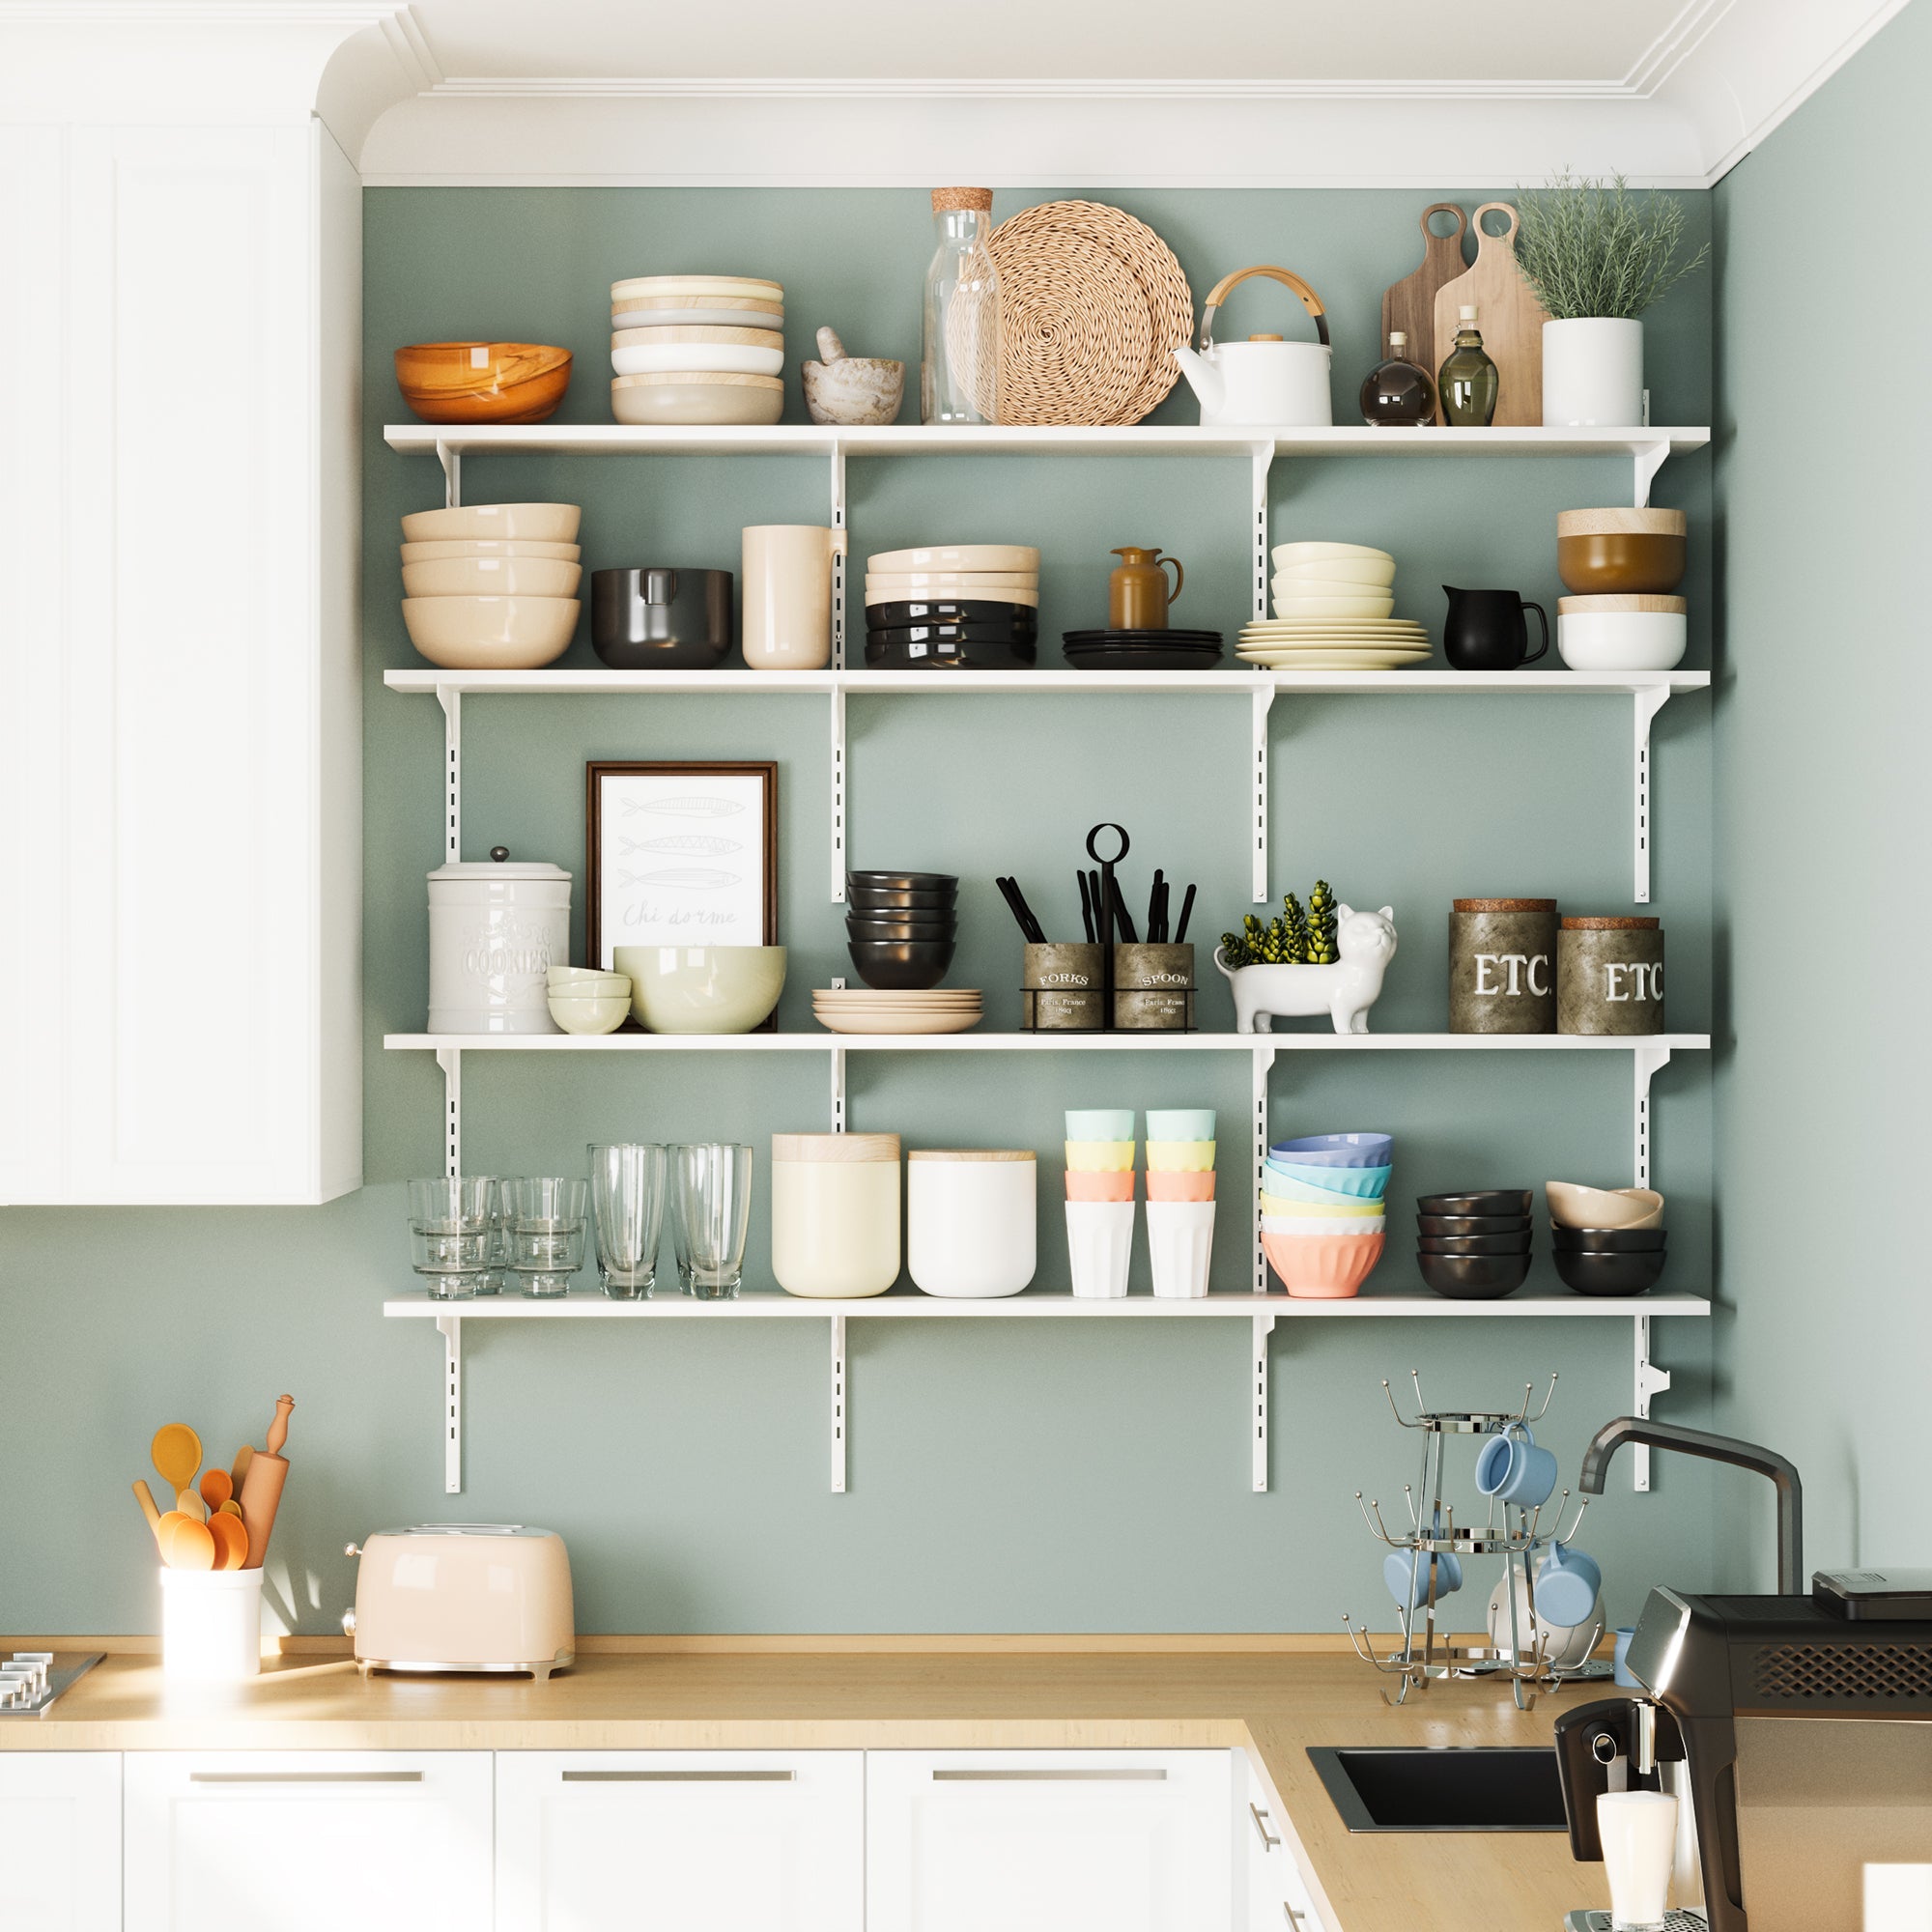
[
  {"x": 218, "y": 1485},
  {"x": 190, "y": 1503},
  {"x": 176, "y": 1454},
  {"x": 231, "y": 1541},
  {"x": 230, "y": 1508},
  {"x": 145, "y": 1497},
  {"x": 244, "y": 1456}
]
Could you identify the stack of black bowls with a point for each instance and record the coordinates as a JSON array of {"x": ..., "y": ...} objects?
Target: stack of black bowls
[
  {"x": 902, "y": 928},
  {"x": 1474, "y": 1247},
  {"x": 1608, "y": 1260},
  {"x": 951, "y": 633}
]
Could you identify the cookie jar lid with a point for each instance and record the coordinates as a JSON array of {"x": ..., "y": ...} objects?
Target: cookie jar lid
[{"x": 835, "y": 1148}]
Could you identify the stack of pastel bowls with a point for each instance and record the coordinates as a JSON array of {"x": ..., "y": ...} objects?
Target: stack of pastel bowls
[
  {"x": 1322, "y": 1223},
  {"x": 952, "y": 606},
  {"x": 697, "y": 349},
  {"x": 1181, "y": 1199},
  {"x": 1100, "y": 1201},
  {"x": 1608, "y": 1240},
  {"x": 1474, "y": 1247},
  {"x": 494, "y": 586}
]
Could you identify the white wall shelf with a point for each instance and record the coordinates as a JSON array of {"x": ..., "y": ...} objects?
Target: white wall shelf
[{"x": 1041, "y": 1042}]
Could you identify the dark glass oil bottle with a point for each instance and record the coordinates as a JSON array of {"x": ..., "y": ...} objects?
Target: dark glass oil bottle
[
  {"x": 1469, "y": 382},
  {"x": 1397, "y": 391}
]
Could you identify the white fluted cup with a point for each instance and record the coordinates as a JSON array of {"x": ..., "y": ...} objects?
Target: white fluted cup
[
  {"x": 1099, "y": 1245},
  {"x": 1180, "y": 1243}
]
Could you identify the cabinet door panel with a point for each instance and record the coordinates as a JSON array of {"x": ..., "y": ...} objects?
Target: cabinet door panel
[
  {"x": 1049, "y": 1841},
  {"x": 60, "y": 1818},
  {"x": 308, "y": 1841}
]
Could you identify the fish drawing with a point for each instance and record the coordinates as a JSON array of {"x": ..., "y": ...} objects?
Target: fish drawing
[
  {"x": 682, "y": 878},
  {"x": 692, "y": 845},
  {"x": 686, "y": 807}
]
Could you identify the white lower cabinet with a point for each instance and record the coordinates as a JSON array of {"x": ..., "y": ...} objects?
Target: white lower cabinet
[
  {"x": 669, "y": 1841},
  {"x": 1049, "y": 1841},
  {"x": 60, "y": 1821},
  {"x": 1278, "y": 1899},
  {"x": 308, "y": 1841}
]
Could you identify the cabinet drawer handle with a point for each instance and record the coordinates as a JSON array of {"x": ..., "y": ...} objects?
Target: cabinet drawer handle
[
  {"x": 1293, "y": 1917},
  {"x": 1269, "y": 1842},
  {"x": 1048, "y": 1776},
  {"x": 304, "y": 1777},
  {"x": 679, "y": 1776}
]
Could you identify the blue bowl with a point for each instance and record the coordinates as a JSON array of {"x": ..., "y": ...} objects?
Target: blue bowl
[
  {"x": 1336, "y": 1150},
  {"x": 1365, "y": 1183},
  {"x": 1283, "y": 1186}
]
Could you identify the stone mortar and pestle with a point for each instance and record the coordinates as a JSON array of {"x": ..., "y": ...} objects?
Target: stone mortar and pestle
[{"x": 855, "y": 392}]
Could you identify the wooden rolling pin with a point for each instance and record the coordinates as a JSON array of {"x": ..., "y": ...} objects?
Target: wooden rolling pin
[{"x": 262, "y": 1485}]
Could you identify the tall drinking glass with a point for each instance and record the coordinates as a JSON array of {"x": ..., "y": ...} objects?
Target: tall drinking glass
[
  {"x": 710, "y": 1212},
  {"x": 449, "y": 1234},
  {"x": 627, "y": 1189},
  {"x": 547, "y": 1221}
]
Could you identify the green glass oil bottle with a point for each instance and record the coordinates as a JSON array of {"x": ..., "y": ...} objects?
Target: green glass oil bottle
[{"x": 1469, "y": 382}]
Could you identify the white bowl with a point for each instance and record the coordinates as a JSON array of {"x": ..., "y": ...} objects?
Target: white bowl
[
  {"x": 1621, "y": 640},
  {"x": 629, "y": 357},
  {"x": 1377, "y": 572},
  {"x": 604, "y": 1012},
  {"x": 492, "y": 577},
  {"x": 491, "y": 632},
  {"x": 1288, "y": 553},
  {"x": 461, "y": 546},
  {"x": 518, "y": 522},
  {"x": 585, "y": 982},
  {"x": 699, "y": 288},
  {"x": 1013, "y": 559},
  {"x": 1292, "y": 603},
  {"x": 696, "y": 315},
  {"x": 703, "y": 989},
  {"x": 1306, "y": 583},
  {"x": 1320, "y": 1230},
  {"x": 697, "y": 396},
  {"x": 1574, "y": 1205}
]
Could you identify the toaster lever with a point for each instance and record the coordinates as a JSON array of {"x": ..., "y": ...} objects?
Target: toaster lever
[
  {"x": 352, "y": 1549},
  {"x": 349, "y": 1623}
]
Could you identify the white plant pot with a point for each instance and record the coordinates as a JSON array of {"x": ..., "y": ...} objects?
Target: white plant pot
[{"x": 1593, "y": 373}]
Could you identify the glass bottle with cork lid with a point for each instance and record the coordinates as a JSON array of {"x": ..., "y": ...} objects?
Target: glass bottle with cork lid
[
  {"x": 1398, "y": 392},
  {"x": 1469, "y": 382},
  {"x": 959, "y": 377}
]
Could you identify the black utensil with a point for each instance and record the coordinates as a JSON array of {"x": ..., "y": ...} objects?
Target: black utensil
[
  {"x": 1086, "y": 907},
  {"x": 1010, "y": 893},
  {"x": 1108, "y": 905},
  {"x": 1035, "y": 931},
  {"x": 1186, "y": 913},
  {"x": 1122, "y": 918},
  {"x": 1153, "y": 909}
]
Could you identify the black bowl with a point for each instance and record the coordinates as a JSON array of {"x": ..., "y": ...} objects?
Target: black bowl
[
  {"x": 657, "y": 619},
  {"x": 1608, "y": 1273},
  {"x": 876, "y": 902},
  {"x": 903, "y": 882},
  {"x": 901, "y": 929},
  {"x": 1021, "y": 619},
  {"x": 1472, "y": 1224},
  {"x": 1474, "y": 1277},
  {"x": 1475, "y": 1245},
  {"x": 910, "y": 965},
  {"x": 939, "y": 647},
  {"x": 1608, "y": 1240},
  {"x": 1494, "y": 1200}
]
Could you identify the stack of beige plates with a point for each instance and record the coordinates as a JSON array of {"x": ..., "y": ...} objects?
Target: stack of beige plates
[
  {"x": 697, "y": 349},
  {"x": 1333, "y": 605},
  {"x": 865, "y": 1009}
]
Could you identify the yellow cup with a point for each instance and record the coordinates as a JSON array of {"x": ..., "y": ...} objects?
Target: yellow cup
[
  {"x": 1180, "y": 1157},
  {"x": 1101, "y": 1156},
  {"x": 1359, "y": 1210}
]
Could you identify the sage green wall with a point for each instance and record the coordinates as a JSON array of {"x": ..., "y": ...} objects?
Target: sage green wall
[
  {"x": 1822, "y": 808},
  {"x": 1004, "y": 1476}
]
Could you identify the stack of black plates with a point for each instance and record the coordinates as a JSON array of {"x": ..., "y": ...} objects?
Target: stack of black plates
[
  {"x": 959, "y": 634},
  {"x": 1142, "y": 650}
]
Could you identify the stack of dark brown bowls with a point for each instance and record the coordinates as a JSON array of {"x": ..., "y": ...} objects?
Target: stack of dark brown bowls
[
  {"x": 952, "y": 606},
  {"x": 901, "y": 927},
  {"x": 1474, "y": 1247}
]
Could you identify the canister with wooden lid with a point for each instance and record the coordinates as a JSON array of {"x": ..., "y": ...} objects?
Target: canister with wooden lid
[
  {"x": 1610, "y": 975},
  {"x": 972, "y": 1220},
  {"x": 835, "y": 1214},
  {"x": 1502, "y": 966}
]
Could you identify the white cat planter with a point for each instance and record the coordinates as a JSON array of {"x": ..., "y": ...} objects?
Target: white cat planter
[{"x": 1366, "y": 942}]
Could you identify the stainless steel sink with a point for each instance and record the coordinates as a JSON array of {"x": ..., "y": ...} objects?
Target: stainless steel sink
[{"x": 1443, "y": 1787}]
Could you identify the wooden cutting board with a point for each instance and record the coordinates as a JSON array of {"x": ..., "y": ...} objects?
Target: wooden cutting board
[
  {"x": 1410, "y": 304},
  {"x": 1510, "y": 316}
]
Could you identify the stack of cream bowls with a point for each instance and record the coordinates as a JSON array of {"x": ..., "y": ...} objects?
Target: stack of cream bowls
[
  {"x": 1333, "y": 605},
  {"x": 1000, "y": 580},
  {"x": 697, "y": 349},
  {"x": 492, "y": 587}
]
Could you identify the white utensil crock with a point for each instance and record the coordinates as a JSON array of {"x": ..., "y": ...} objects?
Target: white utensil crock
[
  {"x": 1099, "y": 1245},
  {"x": 495, "y": 931},
  {"x": 211, "y": 1625},
  {"x": 1180, "y": 1243},
  {"x": 971, "y": 1221},
  {"x": 1593, "y": 373}
]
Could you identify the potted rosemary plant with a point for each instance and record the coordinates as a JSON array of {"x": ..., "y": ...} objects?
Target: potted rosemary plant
[{"x": 1596, "y": 257}]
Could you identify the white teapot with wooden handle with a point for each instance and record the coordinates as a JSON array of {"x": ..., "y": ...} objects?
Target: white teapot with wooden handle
[{"x": 1263, "y": 380}]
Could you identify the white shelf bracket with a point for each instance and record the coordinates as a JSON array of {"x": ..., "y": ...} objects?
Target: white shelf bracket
[
  {"x": 838, "y": 1090},
  {"x": 451, "y": 699},
  {"x": 1650, "y": 1381},
  {"x": 839, "y": 555},
  {"x": 1260, "y": 457},
  {"x": 838, "y": 796},
  {"x": 450, "y": 1329},
  {"x": 1649, "y": 459},
  {"x": 1647, "y": 1061},
  {"x": 450, "y": 1059},
  {"x": 1648, "y": 702},
  {"x": 1263, "y": 1062},
  {"x": 452, "y": 474},
  {"x": 839, "y": 1404},
  {"x": 1258, "y": 1391},
  {"x": 1261, "y": 701}
]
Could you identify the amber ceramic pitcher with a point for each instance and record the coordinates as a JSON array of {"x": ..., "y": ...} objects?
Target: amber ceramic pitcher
[{"x": 1137, "y": 593}]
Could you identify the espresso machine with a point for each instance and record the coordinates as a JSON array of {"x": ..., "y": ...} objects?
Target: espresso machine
[{"x": 1795, "y": 1730}]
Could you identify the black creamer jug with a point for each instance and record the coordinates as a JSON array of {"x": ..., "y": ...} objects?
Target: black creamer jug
[{"x": 1486, "y": 630}]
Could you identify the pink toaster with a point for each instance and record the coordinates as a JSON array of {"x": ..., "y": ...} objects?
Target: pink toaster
[{"x": 463, "y": 1596}]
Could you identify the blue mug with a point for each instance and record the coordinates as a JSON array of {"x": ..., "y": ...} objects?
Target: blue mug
[
  {"x": 1513, "y": 1468},
  {"x": 1567, "y": 1586},
  {"x": 1409, "y": 1585},
  {"x": 1620, "y": 1670}
]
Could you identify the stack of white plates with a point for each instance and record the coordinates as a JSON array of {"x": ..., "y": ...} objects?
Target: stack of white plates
[
  {"x": 697, "y": 349},
  {"x": 1333, "y": 605},
  {"x": 954, "y": 573},
  {"x": 862, "y": 1009}
]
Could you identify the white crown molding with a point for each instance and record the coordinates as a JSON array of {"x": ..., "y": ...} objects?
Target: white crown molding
[
  {"x": 1674, "y": 44},
  {"x": 653, "y": 87}
]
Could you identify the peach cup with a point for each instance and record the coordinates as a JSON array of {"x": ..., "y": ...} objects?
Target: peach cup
[
  {"x": 1109, "y": 1185},
  {"x": 1166, "y": 1186}
]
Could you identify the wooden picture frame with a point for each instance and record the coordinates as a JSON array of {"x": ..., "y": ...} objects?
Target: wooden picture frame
[{"x": 691, "y": 890}]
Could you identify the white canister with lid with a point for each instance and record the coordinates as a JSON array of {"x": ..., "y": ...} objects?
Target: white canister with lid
[
  {"x": 495, "y": 931},
  {"x": 972, "y": 1220},
  {"x": 836, "y": 1214}
]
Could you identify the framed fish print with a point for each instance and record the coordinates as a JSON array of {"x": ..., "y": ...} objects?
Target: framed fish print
[{"x": 680, "y": 854}]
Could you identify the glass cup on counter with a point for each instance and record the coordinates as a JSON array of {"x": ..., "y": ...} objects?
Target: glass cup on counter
[
  {"x": 627, "y": 1189},
  {"x": 449, "y": 1234},
  {"x": 710, "y": 1212},
  {"x": 547, "y": 1224}
]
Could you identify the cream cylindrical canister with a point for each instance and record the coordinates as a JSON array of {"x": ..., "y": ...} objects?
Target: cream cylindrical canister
[
  {"x": 836, "y": 1214},
  {"x": 211, "y": 1625},
  {"x": 1610, "y": 975},
  {"x": 495, "y": 931},
  {"x": 1100, "y": 1246},
  {"x": 788, "y": 579},
  {"x": 972, "y": 1220},
  {"x": 1181, "y": 1245}
]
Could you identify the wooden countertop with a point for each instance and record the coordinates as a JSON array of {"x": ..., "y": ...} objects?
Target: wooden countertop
[{"x": 1273, "y": 1706}]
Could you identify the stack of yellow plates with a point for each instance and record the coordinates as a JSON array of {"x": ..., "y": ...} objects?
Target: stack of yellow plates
[
  {"x": 1334, "y": 644},
  {"x": 890, "y": 1009}
]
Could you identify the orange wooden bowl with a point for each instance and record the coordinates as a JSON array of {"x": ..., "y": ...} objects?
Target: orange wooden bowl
[{"x": 483, "y": 382}]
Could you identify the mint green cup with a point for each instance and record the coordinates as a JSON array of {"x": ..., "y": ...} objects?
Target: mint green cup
[
  {"x": 1180, "y": 1124},
  {"x": 1101, "y": 1123}
]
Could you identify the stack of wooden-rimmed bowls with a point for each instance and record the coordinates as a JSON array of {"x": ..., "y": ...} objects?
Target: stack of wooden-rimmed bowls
[
  {"x": 697, "y": 349},
  {"x": 962, "y": 606}
]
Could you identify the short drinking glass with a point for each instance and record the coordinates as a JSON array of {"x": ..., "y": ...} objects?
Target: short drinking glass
[
  {"x": 548, "y": 1220},
  {"x": 627, "y": 1188},
  {"x": 449, "y": 1234},
  {"x": 710, "y": 1212}
]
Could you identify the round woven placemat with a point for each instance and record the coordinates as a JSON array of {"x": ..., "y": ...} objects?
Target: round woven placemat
[{"x": 1092, "y": 305}]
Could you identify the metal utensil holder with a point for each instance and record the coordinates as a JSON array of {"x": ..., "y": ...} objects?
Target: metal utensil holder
[{"x": 1424, "y": 1652}]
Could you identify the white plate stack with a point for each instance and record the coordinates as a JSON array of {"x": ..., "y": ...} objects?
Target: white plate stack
[
  {"x": 697, "y": 349},
  {"x": 892, "y": 1009},
  {"x": 1333, "y": 605}
]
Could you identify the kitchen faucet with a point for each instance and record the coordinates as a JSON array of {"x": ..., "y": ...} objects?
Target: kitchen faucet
[{"x": 1717, "y": 1449}]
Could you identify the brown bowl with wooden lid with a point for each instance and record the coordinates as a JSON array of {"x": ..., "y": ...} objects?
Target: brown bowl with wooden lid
[{"x": 1620, "y": 553}]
